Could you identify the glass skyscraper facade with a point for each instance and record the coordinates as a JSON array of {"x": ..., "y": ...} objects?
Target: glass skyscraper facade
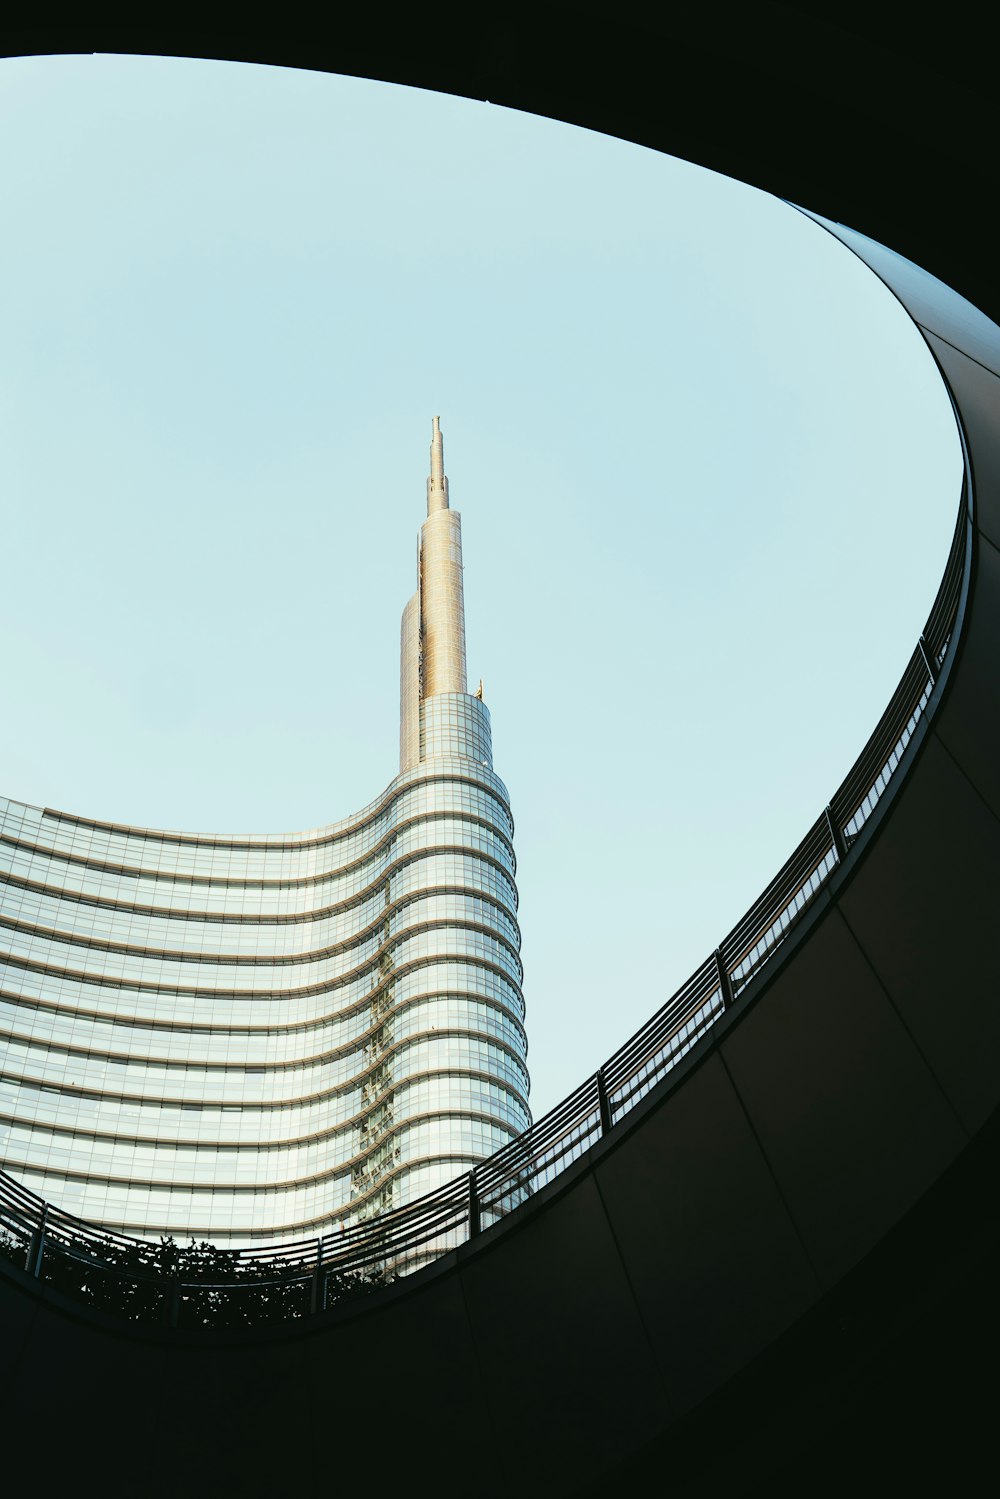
[{"x": 260, "y": 1038}]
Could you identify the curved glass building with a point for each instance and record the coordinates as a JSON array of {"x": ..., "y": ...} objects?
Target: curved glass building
[{"x": 263, "y": 1038}]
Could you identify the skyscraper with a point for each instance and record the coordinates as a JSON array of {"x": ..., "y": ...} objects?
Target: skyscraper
[{"x": 260, "y": 1038}]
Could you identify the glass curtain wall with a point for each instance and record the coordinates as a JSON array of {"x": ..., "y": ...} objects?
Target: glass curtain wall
[{"x": 260, "y": 1038}]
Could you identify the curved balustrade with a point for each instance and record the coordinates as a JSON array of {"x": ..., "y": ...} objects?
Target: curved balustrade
[{"x": 242, "y": 1286}]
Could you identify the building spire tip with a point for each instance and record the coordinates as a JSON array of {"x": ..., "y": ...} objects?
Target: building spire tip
[{"x": 437, "y": 484}]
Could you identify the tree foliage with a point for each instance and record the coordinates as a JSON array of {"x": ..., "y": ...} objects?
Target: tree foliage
[{"x": 193, "y": 1285}]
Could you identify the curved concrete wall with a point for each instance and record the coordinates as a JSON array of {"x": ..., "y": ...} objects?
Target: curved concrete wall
[
  {"x": 774, "y": 1158},
  {"x": 821, "y": 1121}
]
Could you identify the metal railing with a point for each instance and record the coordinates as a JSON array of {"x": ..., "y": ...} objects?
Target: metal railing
[{"x": 202, "y": 1286}]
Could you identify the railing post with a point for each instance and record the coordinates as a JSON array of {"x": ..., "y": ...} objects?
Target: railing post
[
  {"x": 603, "y": 1102},
  {"x": 36, "y": 1249},
  {"x": 172, "y": 1302},
  {"x": 928, "y": 663},
  {"x": 725, "y": 982},
  {"x": 474, "y": 1224},
  {"x": 317, "y": 1300},
  {"x": 836, "y": 835}
]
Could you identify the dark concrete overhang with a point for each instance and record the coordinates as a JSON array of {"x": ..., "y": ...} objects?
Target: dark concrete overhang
[{"x": 783, "y": 1270}]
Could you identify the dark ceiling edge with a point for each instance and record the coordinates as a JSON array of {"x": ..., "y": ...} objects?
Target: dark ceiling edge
[
  {"x": 910, "y": 1374},
  {"x": 862, "y": 116}
]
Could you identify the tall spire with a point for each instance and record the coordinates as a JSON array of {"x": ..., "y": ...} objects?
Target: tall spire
[
  {"x": 432, "y": 638},
  {"x": 437, "y": 484}
]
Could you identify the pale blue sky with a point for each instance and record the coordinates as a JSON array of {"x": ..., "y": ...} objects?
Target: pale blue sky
[{"x": 707, "y": 475}]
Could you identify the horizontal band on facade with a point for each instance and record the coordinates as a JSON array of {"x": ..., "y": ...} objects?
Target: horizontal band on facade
[
  {"x": 357, "y": 897},
  {"x": 317, "y": 1224},
  {"x": 340, "y": 1042},
  {"x": 92, "y": 1093},
  {"x": 207, "y": 881},
  {"x": 314, "y": 955},
  {"x": 289, "y": 842},
  {"x": 265, "y": 996},
  {"x": 15, "y": 922},
  {"x": 339, "y": 1169},
  {"x": 114, "y": 1173},
  {"x": 357, "y": 861},
  {"x": 225, "y": 1147},
  {"x": 380, "y": 955},
  {"x": 257, "y": 1069},
  {"x": 355, "y": 1041},
  {"x": 46, "y": 1129},
  {"x": 183, "y": 1027}
]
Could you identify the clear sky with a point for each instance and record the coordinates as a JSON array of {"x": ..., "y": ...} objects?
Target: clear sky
[{"x": 707, "y": 474}]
